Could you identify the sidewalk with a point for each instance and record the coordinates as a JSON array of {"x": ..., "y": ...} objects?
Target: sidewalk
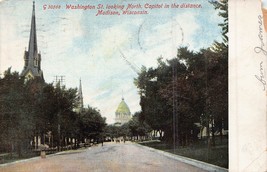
[
  {"x": 39, "y": 157},
  {"x": 193, "y": 162}
]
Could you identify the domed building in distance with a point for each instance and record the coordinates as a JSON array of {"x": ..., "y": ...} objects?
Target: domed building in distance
[{"x": 122, "y": 114}]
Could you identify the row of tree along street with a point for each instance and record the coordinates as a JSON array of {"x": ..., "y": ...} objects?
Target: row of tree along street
[
  {"x": 132, "y": 130},
  {"x": 189, "y": 89},
  {"x": 199, "y": 93},
  {"x": 34, "y": 109}
]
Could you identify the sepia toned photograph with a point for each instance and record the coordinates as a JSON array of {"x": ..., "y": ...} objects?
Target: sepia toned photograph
[{"x": 115, "y": 85}]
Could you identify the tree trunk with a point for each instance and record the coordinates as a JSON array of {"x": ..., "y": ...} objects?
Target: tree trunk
[
  {"x": 221, "y": 130},
  {"x": 52, "y": 140},
  {"x": 37, "y": 142},
  {"x": 213, "y": 131},
  {"x": 11, "y": 149},
  {"x": 44, "y": 138},
  {"x": 58, "y": 142},
  {"x": 221, "y": 135},
  {"x": 19, "y": 149},
  {"x": 33, "y": 143},
  {"x": 160, "y": 134},
  {"x": 201, "y": 131},
  {"x": 208, "y": 133},
  {"x": 76, "y": 143},
  {"x": 186, "y": 139}
]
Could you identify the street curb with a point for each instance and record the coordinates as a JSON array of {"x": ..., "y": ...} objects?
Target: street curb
[
  {"x": 193, "y": 162},
  {"x": 33, "y": 158}
]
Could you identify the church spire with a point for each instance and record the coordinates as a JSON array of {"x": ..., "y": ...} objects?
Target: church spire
[
  {"x": 32, "y": 66},
  {"x": 80, "y": 96},
  {"x": 32, "y": 49}
]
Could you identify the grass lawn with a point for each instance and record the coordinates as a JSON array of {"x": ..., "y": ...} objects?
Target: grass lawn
[
  {"x": 7, "y": 158},
  {"x": 217, "y": 155}
]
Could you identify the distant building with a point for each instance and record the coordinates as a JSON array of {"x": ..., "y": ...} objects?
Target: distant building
[
  {"x": 122, "y": 114},
  {"x": 80, "y": 98},
  {"x": 32, "y": 59}
]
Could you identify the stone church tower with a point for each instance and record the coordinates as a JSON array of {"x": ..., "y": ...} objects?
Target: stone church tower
[
  {"x": 32, "y": 59},
  {"x": 122, "y": 114}
]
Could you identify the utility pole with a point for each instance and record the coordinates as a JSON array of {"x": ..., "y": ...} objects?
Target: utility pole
[
  {"x": 174, "y": 107},
  {"x": 59, "y": 139},
  {"x": 59, "y": 79}
]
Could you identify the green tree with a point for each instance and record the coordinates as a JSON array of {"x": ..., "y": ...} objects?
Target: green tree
[
  {"x": 138, "y": 127},
  {"x": 155, "y": 112},
  {"x": 158, "y": 95},
  {"x": 222, "y": 7},
  {"x": 16, "y": 115},
  {"x": 220, "y": 69},
  {"x": 112, "y": 131},
  {"x": 91, "y": 124}
]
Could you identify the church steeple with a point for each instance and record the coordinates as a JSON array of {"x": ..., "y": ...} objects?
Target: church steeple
[
  {"x": 80, "y": 97},
  {"x": 32, "y": 49},
  {"x": 32, "y": 59}
]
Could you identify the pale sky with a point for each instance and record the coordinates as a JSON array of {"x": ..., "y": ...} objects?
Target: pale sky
[{"x": 79, "y": 44}]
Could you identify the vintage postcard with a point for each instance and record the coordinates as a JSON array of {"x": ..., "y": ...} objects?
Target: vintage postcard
[{"x": 132, "y": 85}]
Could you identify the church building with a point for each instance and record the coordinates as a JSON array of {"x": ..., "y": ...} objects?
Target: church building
[
  {"x": 32, "y": 58},
  {"x": 122, "y": 114}
]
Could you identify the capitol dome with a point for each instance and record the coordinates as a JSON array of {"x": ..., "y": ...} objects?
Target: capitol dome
[
  {"x": 123, "y": 108},
  {"x": 123, "y": 113}
]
